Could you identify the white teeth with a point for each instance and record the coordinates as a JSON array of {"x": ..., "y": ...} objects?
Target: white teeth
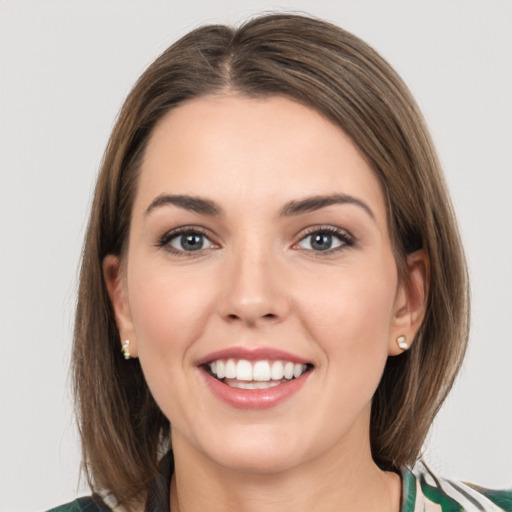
[
  {"x": 260, "y": 371},
  {"x": 298, "y": 369},
  {"x": 256, "y": 372},
  {"x": 288, "y": 370},
  {"x": 244, "y": 370},
  {"x": 277, "y": 370},
  {"x": 251, "y": 385},
  {"x": 230, "y": 369},
  {"x": 221, "y": 369}
]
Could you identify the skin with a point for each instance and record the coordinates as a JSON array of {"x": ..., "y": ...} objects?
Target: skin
[{"x": 259, "y": 282}]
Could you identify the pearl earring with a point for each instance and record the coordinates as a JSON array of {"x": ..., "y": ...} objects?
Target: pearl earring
[
  {"x": 402, "y": 342},
  {"x": 125, "y": 349}
]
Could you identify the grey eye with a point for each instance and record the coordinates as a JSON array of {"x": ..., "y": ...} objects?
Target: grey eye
[
  {"x": 189, "y": 242},
  {"x": 320, "y": 241}
]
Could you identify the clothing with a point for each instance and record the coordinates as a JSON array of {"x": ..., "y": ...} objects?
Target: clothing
[{"x": 422, "y": 491}]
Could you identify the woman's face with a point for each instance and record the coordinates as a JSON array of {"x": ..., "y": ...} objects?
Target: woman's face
[{"x": 259, "y": 257}]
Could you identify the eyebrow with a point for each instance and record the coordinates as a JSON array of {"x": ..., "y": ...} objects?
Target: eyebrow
[
  {"x": 310, "y": 204},
  {"x": 191, "y": 203},
  {"x": 296, "y": 207}
]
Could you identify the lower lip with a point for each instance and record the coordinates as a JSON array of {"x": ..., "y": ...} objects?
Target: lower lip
[{"x": 254, "y": 399}]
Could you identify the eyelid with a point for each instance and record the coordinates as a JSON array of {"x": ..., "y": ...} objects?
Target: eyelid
[
  {"x": 165, "y": 239},
  {"x": 347, "y": 239}
]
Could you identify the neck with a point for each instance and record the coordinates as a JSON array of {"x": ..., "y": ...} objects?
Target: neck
[{"x": 340, "y": 480}]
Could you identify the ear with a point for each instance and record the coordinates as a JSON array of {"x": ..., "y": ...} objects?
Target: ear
[
  {"x": 411, "y": 301},
  {"x": 118, "y": 293}
]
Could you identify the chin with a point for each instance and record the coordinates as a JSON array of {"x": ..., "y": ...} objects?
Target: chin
[
  {"x": 260, "y": 452},
  {"x": 257, "y": 463}
]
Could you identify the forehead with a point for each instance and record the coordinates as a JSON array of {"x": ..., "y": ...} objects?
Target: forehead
[{"x": 233, "y": 148}]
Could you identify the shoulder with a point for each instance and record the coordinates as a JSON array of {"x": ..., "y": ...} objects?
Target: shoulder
[
  {"x": 85, "y": 504},
  {"x": 425, "y": 492}
]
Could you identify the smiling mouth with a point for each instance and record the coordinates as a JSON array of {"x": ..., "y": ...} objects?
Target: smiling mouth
[{"x": 262, "y": 374}]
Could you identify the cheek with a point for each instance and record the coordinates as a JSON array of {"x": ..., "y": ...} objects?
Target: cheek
[
  {"x": 351, "y": 320},
  {"x": 168, "y": 311},
  {"x": 363, "y": 300}
]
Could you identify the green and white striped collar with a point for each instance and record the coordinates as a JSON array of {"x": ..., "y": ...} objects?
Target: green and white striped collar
[{"x": 422, "y": 491}]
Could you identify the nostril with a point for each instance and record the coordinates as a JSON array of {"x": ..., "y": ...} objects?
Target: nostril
[{"x": 249, "y": 318}]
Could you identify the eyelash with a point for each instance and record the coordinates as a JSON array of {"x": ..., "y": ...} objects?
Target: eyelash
[
  {"x": 165, "y": 240},
  {"x": 343, "y": 236},
  {"x": 346, "y": 239}
]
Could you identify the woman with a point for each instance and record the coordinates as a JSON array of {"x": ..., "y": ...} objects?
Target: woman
[{"x": 273, "y": 301}]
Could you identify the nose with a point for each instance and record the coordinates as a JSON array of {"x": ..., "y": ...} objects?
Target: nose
[{"x": 254, "y": 290}]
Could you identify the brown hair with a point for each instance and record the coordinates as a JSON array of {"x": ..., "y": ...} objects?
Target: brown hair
[{"x": 320, "y": 65}]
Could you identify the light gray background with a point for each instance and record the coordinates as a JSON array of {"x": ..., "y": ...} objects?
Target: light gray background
[{"x": 66, "y": 67}]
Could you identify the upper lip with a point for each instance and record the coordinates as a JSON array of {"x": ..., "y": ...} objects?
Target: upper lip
[{"x": 252, "y": 354}]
